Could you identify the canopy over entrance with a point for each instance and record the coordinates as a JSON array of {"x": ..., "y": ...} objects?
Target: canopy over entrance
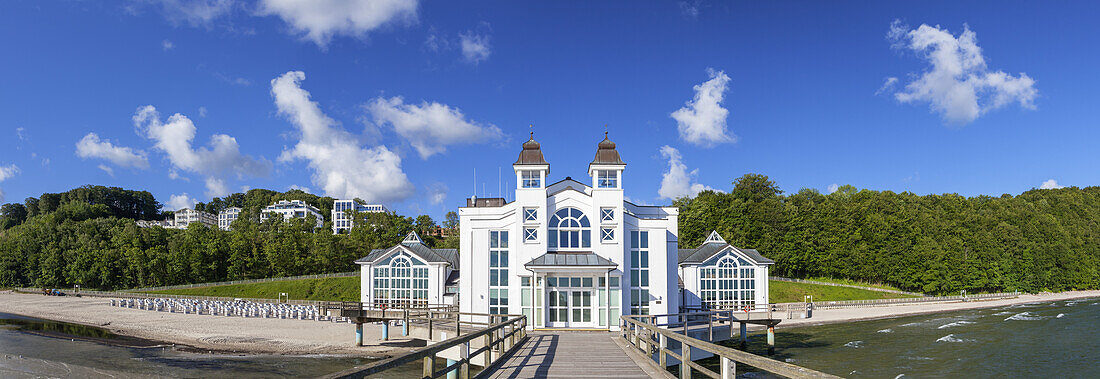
[{"x": 570, "y": 262}]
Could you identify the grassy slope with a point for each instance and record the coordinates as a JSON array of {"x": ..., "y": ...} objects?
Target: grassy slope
[
  {"x": 347, "y": 289},
  {"x": 855, "y": 283},
  {"x": 787, "y": 292},
  {"x": 332, "y": 289}
]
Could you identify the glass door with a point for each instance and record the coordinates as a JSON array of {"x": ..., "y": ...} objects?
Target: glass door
[
  {"x": 581, "y": 306},
  {"x": 559, "y": 308}
]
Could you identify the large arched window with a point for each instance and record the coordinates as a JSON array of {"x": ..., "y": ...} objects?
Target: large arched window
[
  {"x": 727, "y": 283},
  {"x": 402, "y": 280},
  {"x": 569, "y": 229}
]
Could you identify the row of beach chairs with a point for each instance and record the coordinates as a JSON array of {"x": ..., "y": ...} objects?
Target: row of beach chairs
[{"x": 239, "y": 308}]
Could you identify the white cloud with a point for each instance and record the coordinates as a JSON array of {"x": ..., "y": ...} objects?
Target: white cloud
[
  {"x": 193, "y": 12},
  {"x": 475, "y": 47},
  {"x": 340, "y": 166},
  {"x": 690, "y": 9},
  {"x": 19, "y": 133},
  {"x": 429, "y": 127},
  {"x": 92, "y": 147},
  {"x": 222, "y": 157},
  {"x": 177, "y": 202},
  {"x": 110, "y": 171},
  {"x": 300, "y": 188},
  {"x": 8, "y": 171},
  {"x": 957, "y": 85},
  {"x": 1050, "y": 184},
  {"x": 437, "y": 193},
  {"x": 676, "y": 183},
  {"x": 887, "y": 85},
  {"x": 703, "y": 120},
  {"x": 202, "y": 111},
  {"x": 320, "y": 20},
  {"x": 167, "y": 45},
  {"x": 832, "y": 188}
]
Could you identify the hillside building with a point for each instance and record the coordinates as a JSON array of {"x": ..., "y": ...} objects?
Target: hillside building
[
  {"x": 342, "y": 222},
  {"x": 293, "y": 209},
  {"x": 187, "y": 216},
  {"x": 227, "y": 216}
]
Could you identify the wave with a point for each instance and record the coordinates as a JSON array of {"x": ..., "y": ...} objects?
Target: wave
[
  {"x": 899, "y": 376},
  {"x": 887, "y": 330},
  {"x": 1023, "y": 316},
  {"x": 954, "y": 324},
  {"x": 952, "y": 338},
  {"x": 1004, "y": 313},
  {"x": 854, "y": 344},
  {"x": 1060, "y": 315}
]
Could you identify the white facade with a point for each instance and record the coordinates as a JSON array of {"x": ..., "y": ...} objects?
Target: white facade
[
  {"x": 227, "y": 216},
  {"x": 720, "y": 276},
  {"x": 569, "y": 254},
  {"x": 341, "y": 222},
  {"x": 293, "y": 209},
  {"x": 407, "y": 274},
  {"x": 186, "y": 216}
]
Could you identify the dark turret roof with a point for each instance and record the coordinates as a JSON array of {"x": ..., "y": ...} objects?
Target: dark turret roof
[
  {"x": 531, "y": 154},
  {"x": 606, "y": 153}
]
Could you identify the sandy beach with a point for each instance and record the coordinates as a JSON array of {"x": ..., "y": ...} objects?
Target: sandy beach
[
  {"x": 829, "y": 316},
  {"x": 216, "y": 333}
]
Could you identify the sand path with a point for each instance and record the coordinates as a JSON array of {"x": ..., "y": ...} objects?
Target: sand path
[{"x": 251, "y": 335}]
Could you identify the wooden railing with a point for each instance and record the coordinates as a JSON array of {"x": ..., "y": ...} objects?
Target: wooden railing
[
  {"x": 502, "y": 337},
  {"x": 645, "y": 334}
]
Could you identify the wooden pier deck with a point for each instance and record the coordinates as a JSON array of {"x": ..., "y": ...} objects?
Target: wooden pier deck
[{"x": 569, "y": 354}]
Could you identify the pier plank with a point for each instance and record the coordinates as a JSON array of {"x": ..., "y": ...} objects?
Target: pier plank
[{"x": 569, "y": 354}]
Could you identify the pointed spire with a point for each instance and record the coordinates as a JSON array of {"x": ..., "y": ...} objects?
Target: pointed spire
[
  {"x": 412, "y": 238},
  {"x": 606, "y": 153},
  {"x": 714, "y": 237},
  {"x": 531, "y": 153}
]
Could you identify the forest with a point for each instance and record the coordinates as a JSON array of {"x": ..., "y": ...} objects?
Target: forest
[
  {"x": 92, "y": 239},
  {"x": 1040, "y": 240}
]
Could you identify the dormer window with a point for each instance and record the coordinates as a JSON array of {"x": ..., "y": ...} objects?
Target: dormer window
[
  {"x": 569, "y": 229},
  {"x": 531, "y": 179},
  {"x": 607, "y": 179}
]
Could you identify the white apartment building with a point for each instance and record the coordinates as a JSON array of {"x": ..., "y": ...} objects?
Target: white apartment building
[
  {"x": 227, "y": 216},
  {"x": 186, "y": 216},
  {"x": 293, "y": 209},
  {"x": 342, "y": 222},
  {"x": 568, "y": 254}
]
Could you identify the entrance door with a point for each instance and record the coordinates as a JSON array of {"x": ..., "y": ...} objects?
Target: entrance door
[
  {"x": 570, "y": 302},
  {"x": 580, "y": 306}
]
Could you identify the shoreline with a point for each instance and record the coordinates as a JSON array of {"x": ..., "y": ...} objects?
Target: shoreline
[
  {"x": 206, "y": 333},
  {"x": 835, "y": 316}
]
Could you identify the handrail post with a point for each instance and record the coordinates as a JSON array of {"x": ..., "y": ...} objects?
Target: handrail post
[
  {"x": 729, "y": 368},
  {"x": 429, "y": 368},
  {"x": 710, "y": 327},
  {"x": 488, "y": 349},
  {"x": 464, "y": 356},
  {"x": 685, "y": 357},
  {"x": 661, "y": 353}
]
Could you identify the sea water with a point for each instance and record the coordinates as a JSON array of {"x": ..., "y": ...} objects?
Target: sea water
[
  {"x": 1050, "y": 339},
  {"x": 32, "y": 348}
]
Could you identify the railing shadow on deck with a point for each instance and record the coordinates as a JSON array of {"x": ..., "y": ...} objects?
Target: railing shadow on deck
[{"x": 501, "y": 336}]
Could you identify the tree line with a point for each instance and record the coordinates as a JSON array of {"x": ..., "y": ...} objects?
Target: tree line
[
  {"x": 1040, "y": 240},
  {"x": 83, "y": 240}
]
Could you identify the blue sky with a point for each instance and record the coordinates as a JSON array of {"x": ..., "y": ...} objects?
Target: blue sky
[{"x": 399, "y": 101}]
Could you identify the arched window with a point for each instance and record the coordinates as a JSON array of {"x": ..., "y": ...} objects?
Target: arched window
[
  {"x": 569, "y": 229},
  {"x": 403, "y": 280},
  {"x": 728, "y": 283}
]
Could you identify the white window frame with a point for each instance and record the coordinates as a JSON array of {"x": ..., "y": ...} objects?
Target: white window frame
[
  {"x": 530, "y": 215},
  {"x": 607, "y": 215},
  {"x": 530, "y": 179},
  {"x": 607, "y": 179},
  {"x": 607, "y": 235},
  {"x": 530, "y": 235}
]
